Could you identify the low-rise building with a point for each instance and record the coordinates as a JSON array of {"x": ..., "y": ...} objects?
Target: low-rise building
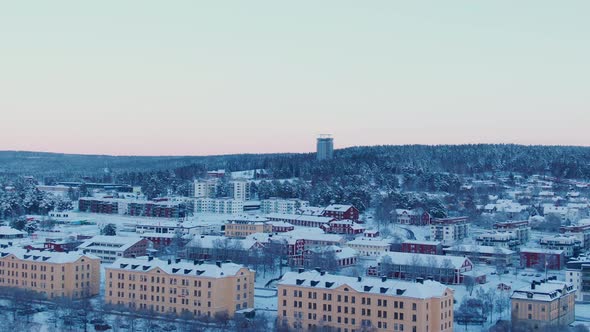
[
  {"x": 502, "y": 239},
  {"x": 243, "y": 226},
  {"x": 179, "y": 287},
  {"x": 343, "y": 227},
  {"x": 51, "y": 274},
  {"x": 580, "y": 231},
  {"x": 339, "y": 212},
  {"x": 541, "y": 258},
  {"x": 484, "y": 254},
  {"x": 412, "y": 217},
  {"x": 542, "y": 304},
  {"x": 402, "y": 265},
  {"x": 422, "y": 247},
  {"x": 283, "y": 206},
  {"x": 569, "y": 244},
  {"x": 9, "y": 233},
  {"x": 219, "y": 205},
  {"x": 300, "y": 219},
  {"x": 109, "y": 248},
  {"x": 369, "y": 247},
  {"x": 312, "y": 299},
  {"x": 520, "y": 228}
]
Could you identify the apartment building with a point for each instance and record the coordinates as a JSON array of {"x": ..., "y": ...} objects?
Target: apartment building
[
  {"x": 109, "y": 248},
  {"x": 505, "y": 239},
  {"x": 313, "y": 299},
  {"x": 581, "y": 232},
  {"x": 240, "y": 190},
  {"x": 205, "y": 188},
  {"x": 243, "y": 226},
  {"x": 578, "y": 274},
  {"x": 339, "y": 212},
  {"x": 284, "y": 206},
  {"x": 449, "y": 230},
  {"x": 543, "y": 304},
  {"x": 179, "y": 287},
  {"x": 520, "y": 228},
  {"x": 300, "y": 219},
  {"x": 541, "y": 258},
  {"x": 219, "y": 205},
  {"x": 369, "y": 247},
  {"x": 569, "y": 244},
  {"x": 51, "y": 274}
]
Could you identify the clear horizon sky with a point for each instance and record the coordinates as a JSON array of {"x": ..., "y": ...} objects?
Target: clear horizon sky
[{"x": 200, "y": 78}]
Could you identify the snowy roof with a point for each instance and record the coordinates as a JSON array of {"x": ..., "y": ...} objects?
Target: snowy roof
[
  {"x": 368, "y": 241},
  {"x": 314, "y": 234},
  {"x": 183, "y": 268},
  {"x": 6, "y": 230},
  {"x": 403, "y": 258},
  {"x": 111, "y": 242},
  {"x": 480, "y": 249},
  {"x": 337, "y": 208},
  {"x": 44, "y": 256},
  {"x": 391, "y": 287},
  {"x": 544, "y": 291},
  {"x": 300, "y": 217},
  {"x": 434, "y": 243},
  {"x": 279, "y": 224},
  {"x": 542, "y": 251}
]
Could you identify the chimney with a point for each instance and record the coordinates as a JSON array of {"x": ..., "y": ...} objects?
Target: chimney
[
  {"x": 318, "y": 269},
  {"x": 169, "y": 261},
  {"x": 218, "y": 263},
  {"x": 195, "y": 262},
  {"x": 533, "y": 284},
  {"x": 150, "y": 258},
  {"x": 322, "y": 273},
  {"x": 28, "y": 250},
  {"x": 383, "y": 278},
  {"x": 359, "y": 279},
  {"x": 300, "y": 270},
  {"x": 420, "y": 280},
  {"x": 177, "y": 260},
  {"x": 202, "y": 236},
  {"x": 132, "y": 255}
]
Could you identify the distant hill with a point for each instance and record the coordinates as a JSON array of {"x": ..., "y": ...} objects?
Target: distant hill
[{"x": 561, "y": 161}]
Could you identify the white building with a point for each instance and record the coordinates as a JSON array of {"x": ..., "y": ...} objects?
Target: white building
[
  {"x": 219, "y": 205},
  {"x": 449, "y": 230},
  {"x": 109, "y": 248},
  {"x": 205, "y": 188},
  {"x": 240, "y": 190},
  {"x": 284, "y": 206},
  {"x": 369, "y": 247},
  {"x": 506, "y": 239},
  {"x": 568, "y": 244}
]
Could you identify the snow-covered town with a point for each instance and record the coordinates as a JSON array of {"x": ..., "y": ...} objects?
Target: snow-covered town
[{"x": 245, "y": 250}]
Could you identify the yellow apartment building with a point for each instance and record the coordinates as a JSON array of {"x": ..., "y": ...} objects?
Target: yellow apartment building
[
  {"x": 177, "y": 287},
  {"x": 313, "y": 299},
  {"x": 544, "y": 303},
  {"x": 51, "y": 274}
]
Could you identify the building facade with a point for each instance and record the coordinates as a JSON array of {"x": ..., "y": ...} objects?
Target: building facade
[
  {"x": 325, "y": 147},
  {"x": 543, "y": 304},
  {"x": 109, "y": 248},
  {"x": 340, "y": 212},
  {"x": 219, "y": 205},
  {"x": 51, "y": 274},
  {"x": 284, "y": 206},
  {"x": 179, "y": 287},
  {"x": 312, "y": 299},
  {"x": 449, "y": 230}
]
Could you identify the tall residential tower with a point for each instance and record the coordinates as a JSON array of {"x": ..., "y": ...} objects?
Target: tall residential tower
[{"x": 325, "y": 147}]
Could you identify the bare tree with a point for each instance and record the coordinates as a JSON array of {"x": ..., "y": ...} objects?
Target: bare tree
[{"x": 469, "y": 283}]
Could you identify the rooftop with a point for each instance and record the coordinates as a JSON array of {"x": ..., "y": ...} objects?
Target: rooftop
[
  {"x": 391, "y": 287},
  {"x": 44, "y": 256},
  {"x": 177, "y": 267}
]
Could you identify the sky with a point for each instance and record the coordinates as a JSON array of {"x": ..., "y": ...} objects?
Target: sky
[{"x": 217, "y": 77}]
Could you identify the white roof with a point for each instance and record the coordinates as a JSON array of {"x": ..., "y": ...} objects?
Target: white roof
[
  {"x": 301, "y": 217},
  {"x": 337, "y": 207},
  {"x": 314, "y": 279},
  {"x": 181, "y": 268},
  {"x": 434, "y": 243},
  {"x": 45, "y": 256},
  {"x": 368, "y": 241},
  {"x": 111, "y": 242},
  {"x": 403, "y": 258},
  {"x": 542, "y": 251},
  {"x": 481, "y": 249},
  {"x": 545, "y": 291},
  {"x": 6, "y": 230}
]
